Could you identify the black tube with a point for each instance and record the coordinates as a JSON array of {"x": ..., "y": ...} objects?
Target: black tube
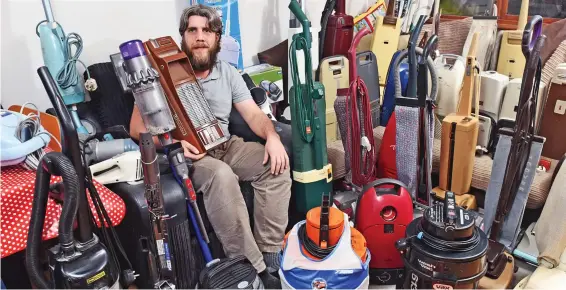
[
  {"x": 71, "y": 149},
  {"x": 53, "y": 163},
  {"x": 412, "y": 83}
]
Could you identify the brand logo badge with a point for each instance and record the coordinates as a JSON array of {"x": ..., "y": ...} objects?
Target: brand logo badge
[
  {"x": 318, "y": 283},
  {"x": 442, "y": 287}
]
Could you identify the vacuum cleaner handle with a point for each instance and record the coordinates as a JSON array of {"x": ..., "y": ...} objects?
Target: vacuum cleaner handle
[
  {"x": 383, "y": 181},
  {"x": 412, "y": 82},
  {"x": 70, "y": 148},
  {"x": 531, "y": 33},
  {"x": 352, "y": 52}
]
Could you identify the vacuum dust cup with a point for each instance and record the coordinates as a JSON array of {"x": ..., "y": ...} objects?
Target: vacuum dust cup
[{"x": 143, "y": 79}]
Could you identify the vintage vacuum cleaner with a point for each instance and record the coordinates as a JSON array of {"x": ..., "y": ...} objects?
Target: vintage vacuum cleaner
[
  {"x": 156, "y": 115},
  {"x": 459, "y": 137},
  {"x": 338, "y": 31},
  {"x": 412, "y": 144},
  {"x": 444, "y": 249},
  {"x": 324, "y": 252},
  {"x": 88, "y": 262},
  {"x": 71, "y": 264},
  {"x": 312, "y": 174},
  {"x": 383, "y": 212},
  {"x": 56, "y": 49},
  {"x": 514, "y": 165},
  {"x": 353, "y": 112}
]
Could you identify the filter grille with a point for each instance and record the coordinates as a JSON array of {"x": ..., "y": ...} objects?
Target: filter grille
[{"x": 195, "y": 104}]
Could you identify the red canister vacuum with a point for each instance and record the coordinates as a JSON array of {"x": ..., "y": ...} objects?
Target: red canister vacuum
[{"x": 383, "y": 212}]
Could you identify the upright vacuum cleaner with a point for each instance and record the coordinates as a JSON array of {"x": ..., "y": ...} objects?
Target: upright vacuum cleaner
[
  {"x": 459, "y": 137},
  {"x": 312, "y": 174},
  {"x": 86, "y": 262},
  {"x": 338, "y": 31},
  {"x": 514, "y": 166},
  {"x": 57, "y": 56},
  {"x": 413, "y": 131}
]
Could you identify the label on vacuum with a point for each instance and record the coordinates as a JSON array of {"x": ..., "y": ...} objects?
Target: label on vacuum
[
  {"x": 442, "y": 287},
  {"x": 160, "y": 249}
]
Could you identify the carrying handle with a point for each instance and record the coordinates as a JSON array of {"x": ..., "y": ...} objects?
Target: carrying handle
[
  {"x": 352, "y": 52},
  {"x": 429, "y": 47},
  {"x": 383, "y": 181},
  {"x": 532, "y": 32},
  {"x": 412, "y": 83}
]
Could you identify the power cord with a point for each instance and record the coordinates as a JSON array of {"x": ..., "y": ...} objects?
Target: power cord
[
  {"x": 448, "y": 246},
  {"x": 303, "y": 106},
  {"x": 311, "y": 247},
  {"x": 27, "y": 129},
  {"x": 68, "y": 76}
]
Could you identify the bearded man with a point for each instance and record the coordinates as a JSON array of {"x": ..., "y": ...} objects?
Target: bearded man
[{"x": 217, "y": 172}]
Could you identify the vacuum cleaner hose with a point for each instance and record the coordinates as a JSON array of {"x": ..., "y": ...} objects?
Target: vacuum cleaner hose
[
  {"x": 430, "y": 65},
  {"x": 53, "y": 163},
  {"x": 448, "y": 246}
]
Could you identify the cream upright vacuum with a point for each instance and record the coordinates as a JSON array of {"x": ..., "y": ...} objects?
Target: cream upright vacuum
[{"x": 511, "y": 60}]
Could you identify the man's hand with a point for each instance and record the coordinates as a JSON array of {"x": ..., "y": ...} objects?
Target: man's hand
[
  {"x": 191, "y": 151},
  {"x": 275, "y": 152}
]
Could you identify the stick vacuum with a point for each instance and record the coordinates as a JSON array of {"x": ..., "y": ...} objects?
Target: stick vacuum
[
  {"x": 56, "y": 49},
  {"x": 312, "y": 174}
]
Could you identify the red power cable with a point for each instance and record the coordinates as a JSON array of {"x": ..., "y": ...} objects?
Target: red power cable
[{"x": 362, "y": 161}]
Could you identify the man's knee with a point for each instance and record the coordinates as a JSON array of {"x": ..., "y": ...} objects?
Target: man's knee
[{"x": 211, "y": 174}]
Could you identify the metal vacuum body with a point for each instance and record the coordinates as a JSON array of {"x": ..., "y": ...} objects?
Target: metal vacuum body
[{"x": 444, "y": 249}]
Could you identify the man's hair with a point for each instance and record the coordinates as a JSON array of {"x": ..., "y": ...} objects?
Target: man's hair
[{"x": 214, "y": 21}]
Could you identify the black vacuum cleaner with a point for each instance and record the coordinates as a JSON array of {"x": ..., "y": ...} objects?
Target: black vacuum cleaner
[
  {"x": 444, "y": 249},
  {"x": 87, "y": 262},
  {"x": 72, "y": 264}
]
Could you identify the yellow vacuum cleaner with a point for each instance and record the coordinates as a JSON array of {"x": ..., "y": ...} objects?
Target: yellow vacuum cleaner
[
  {"x": 386, "y": 38},
  {"x": 511, "y": 60},
  {"x": 459, "y": 138}
]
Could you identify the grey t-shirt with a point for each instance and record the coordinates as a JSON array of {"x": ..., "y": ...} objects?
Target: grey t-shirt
[{"x": 223, "y": 87}]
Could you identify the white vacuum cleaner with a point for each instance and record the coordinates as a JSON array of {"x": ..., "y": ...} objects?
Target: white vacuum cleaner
[
  {"x": 493, "y": 87},
  {"x": 450, "y": 78}
]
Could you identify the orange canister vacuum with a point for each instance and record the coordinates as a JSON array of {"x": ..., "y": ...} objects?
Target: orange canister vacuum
[{"x": 323, "y": 228}]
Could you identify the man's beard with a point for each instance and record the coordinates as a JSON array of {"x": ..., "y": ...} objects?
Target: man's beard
[{"x": 203, "y": 63}]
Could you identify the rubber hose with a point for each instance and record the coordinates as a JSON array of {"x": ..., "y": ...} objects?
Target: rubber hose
[
  {"x": 495, "y": 53},
  {"x": 430, "y": 64},
  {"x": 53, "y": 163}
]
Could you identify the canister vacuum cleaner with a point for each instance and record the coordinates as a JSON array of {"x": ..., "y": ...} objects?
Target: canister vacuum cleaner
[{"x": 444, "y": 249}]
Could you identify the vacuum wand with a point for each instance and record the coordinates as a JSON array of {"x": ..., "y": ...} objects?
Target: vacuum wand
[
  {"x": 181, "y": 171},
  {"x": 154, "y": 198},
  {"x": 71, "y": 149}
]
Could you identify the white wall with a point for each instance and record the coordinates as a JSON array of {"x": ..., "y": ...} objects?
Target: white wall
[{"x": 104, "y": 25}]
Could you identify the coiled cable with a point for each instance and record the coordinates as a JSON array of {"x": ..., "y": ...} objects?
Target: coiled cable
[
  {"x": 303, "y": 107},
  {"x": 363, "y": 156},
  {"x": 311, "y": 247},
  {"x": 448, "y": 246}
]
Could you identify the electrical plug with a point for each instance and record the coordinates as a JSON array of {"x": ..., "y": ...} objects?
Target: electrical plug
[{"x": 91, "y": 85}]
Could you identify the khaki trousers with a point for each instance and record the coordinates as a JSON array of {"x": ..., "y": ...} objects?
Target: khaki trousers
[{"x": 217, "y": 174}]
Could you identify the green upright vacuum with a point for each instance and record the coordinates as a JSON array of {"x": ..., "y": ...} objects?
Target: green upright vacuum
[{"x": 312, "y": 174}]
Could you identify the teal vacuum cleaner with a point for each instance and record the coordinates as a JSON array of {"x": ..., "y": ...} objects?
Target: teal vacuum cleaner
[
  {"x": 312, "y": 174},
  {"x": 58, "y": 57}
]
